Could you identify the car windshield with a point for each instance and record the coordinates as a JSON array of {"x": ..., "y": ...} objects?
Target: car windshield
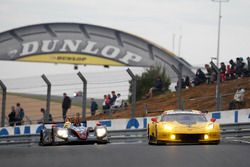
[{"x": 184, "y": 118}]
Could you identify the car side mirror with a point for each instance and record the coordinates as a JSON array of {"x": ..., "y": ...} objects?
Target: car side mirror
[
  {"x": 154, "y": 120},
  {"x": 212, "y": 119}
]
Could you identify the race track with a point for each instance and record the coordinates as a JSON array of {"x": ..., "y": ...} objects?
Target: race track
[{"x": 126, "y": 155}]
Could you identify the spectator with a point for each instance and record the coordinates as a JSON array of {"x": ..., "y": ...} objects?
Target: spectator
[
  {"x": 183, "y": 85},
  {"x": 158, "y": 85},
  {"x": 222, "y": 71},
  {"x": 228, "y": 72},
  {"x": 66, "y": 104},
  {"x": 238, "y": 98},
  {"x": 12, "y": 116},
  {"x": 200, "y": 77},
  {"x": 42, "y": 120},
  {"x": 244, "y": 68},
  {"x": 19, "y": 115},
  {"x": 106, "y": 103},
  {"x": 248, "y": 66},
  {"x": 93, "y": 107},
  {"x": 187, "y": 82},
  {"x": 205, "y": 112},
  {"x": 232, "y": 69},
  {"x": 113, "y": 98},
  {"x": 118, "y": 102},
  {"x": 239, "y": 95},
  {"x": 239, "y": 67},
  {"x": 209, "y": 73}
]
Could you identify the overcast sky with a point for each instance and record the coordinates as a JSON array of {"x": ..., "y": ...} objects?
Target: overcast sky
[{"x": 156, "y": 20}]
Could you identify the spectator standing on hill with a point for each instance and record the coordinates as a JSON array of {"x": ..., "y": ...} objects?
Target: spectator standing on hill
[
  {"x": 222, "y": 71},
  {"x": 93, "y": 107},
  {"x": 239, "y": 67},
  {"x": 19, "y": 115},
  {"x": 209, "y": 73},
  {"x": 113, "y": 98},
  {"x": 187, "y": 82},
  {"x": 12, "y": 116},
  {"x": 232, "y": 69},
  {"x": 106, "y": 103},
  {"x": 228, "y": 73},
  {"x": 66, "y": 104},
  {"x": 248, "y": 66}
]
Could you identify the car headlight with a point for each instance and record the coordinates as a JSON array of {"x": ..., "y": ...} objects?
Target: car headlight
[
  {"x": 210, "y": 126},
  {"x": 62, "y": 133},
  {"x": 172, "y": 137},
  {"x": 206, "y": 137},
  {"x": 168, "y": 127},
  {"x": 101, "y": 131}
]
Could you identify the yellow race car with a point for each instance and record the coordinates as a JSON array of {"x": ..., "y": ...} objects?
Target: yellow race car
[{"x": 183, "y": 127}]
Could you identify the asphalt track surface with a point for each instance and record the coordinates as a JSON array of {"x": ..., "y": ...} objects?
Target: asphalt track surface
[{"x": 126, "y": 155}]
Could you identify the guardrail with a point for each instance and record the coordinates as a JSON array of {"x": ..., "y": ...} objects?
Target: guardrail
[
  {"x": 235, "y": 130},
  {"x": 135, "y": 135}
]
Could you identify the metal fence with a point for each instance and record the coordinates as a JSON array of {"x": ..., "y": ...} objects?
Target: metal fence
[
  {"x": 46, "y": 92},
  {"x": 228, "y": 131}
]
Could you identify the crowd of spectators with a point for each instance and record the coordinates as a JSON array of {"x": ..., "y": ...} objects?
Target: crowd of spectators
[
  {"x": 16, "y": 116},
  {"x": 233, "y": 70},
  {"x": 111, "y": 102}
]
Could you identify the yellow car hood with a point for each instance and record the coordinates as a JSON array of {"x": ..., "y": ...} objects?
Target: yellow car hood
[{"x": 187, "y": 128}]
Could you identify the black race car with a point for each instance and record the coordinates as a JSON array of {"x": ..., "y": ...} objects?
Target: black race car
[{"x": 53, "y": 134}]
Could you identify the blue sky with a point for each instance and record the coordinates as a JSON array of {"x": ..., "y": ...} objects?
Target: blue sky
[{"x": 156, "y": 20}]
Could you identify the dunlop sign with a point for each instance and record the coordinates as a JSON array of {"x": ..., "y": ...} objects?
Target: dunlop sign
[
  {"x": 80, "y": 49},
  {"x": 84, "y": 44}
]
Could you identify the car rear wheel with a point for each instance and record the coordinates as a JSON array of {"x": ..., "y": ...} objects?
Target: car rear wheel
[{"x": 41, "y": 142}]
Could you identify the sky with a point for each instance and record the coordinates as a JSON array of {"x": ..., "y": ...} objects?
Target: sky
[{"x": 195, "y": 22}]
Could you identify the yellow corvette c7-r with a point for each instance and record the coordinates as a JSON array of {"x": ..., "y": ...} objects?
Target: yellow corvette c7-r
[{"x": 183, "y": 127}]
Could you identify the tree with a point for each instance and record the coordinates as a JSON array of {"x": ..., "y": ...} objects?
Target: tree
[{"x": 147, "y": 79}]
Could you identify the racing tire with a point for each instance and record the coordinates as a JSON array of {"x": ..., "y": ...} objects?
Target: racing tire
[
  {"x": 53, "y": 143},
  {"x": 160, "y": 142},
  {"x": 41, "y": 141}
]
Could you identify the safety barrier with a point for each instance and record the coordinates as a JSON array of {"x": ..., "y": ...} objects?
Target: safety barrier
[
  {"x": 237, "y": 130},
  {"x": 128, "y": 135}
]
